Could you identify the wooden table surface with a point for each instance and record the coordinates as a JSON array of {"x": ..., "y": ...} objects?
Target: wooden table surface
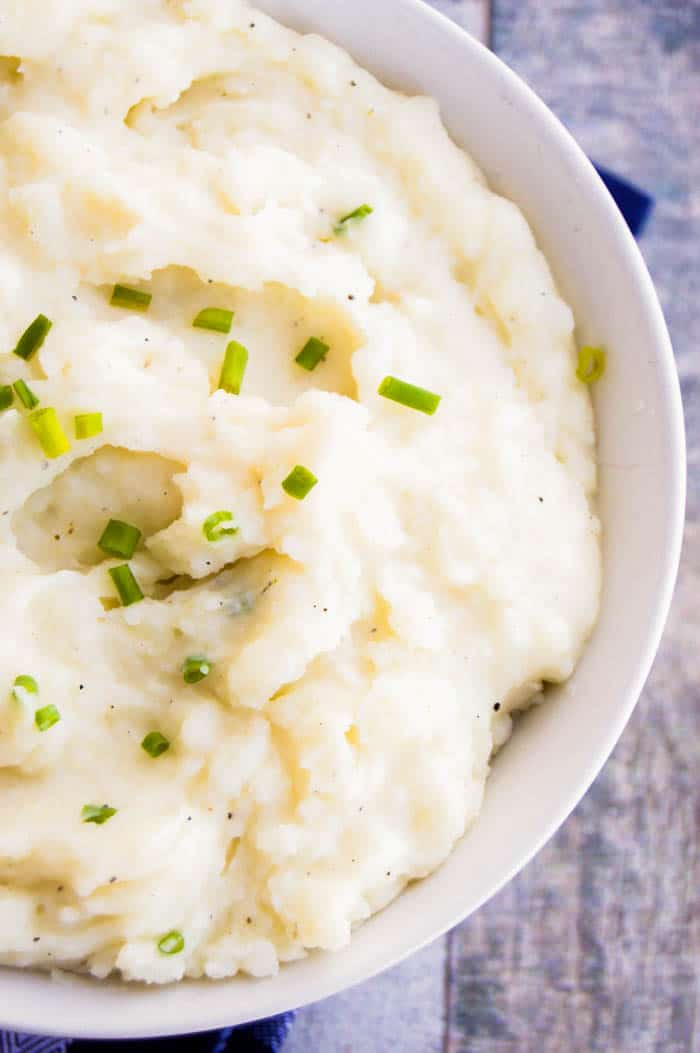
[{"x": 595, "y": 946}]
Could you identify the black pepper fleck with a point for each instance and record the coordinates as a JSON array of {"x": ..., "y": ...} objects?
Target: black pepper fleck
[
  {"x": 81, "y": 687},
  {"x": 36, "y": 939},
  {"x": 113, "y": 879},
  {"x": 229, "y": 815},
  {"x": 353, "y": 83},
  {"x": 497, "y": 706},
  {"x": 541, "y": 500},
  {"x": 74, "y": 298}
]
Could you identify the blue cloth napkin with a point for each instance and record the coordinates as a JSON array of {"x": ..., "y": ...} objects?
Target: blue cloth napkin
[
  {"x": 267, "y": 1036},
  {"x": 634, "y": 204}
]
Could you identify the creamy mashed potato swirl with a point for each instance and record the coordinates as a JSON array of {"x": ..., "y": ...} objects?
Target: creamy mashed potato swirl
[{"x": 366, "y": 644}]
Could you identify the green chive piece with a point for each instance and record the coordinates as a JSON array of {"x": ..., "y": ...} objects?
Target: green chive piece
[
  {"x": 25, "y": 394},
  {"x": 233, "y": 368},
  {"x": 212, "y": 529},
  {"x": 591, "y": 364},
  {"x": 313, "y": 352},
  {"x": 218, "y": 319},
  {"x": 97, "y": 813},
  {"x": 33, "y": 337},
  {"x": 87, "y": 425},
  {"x": 6, "y": 397},
  {"x": 409, "y": 395},
  {"x": 357, "y": 213},
  {"x": 46, "y": 718},
  {"x": 131, "y": 299},
  {"x": 126, "y": 584},
  {"x": 155, "y": 744},
  {"x": 24, "y": 684},
  {"x": 119, "y": 539},
  {"x": 49, "y": 432},
  {"x": 172, "y": 943},
  {"x": 195, "y": 668},
  {"x": 299, "y": 482}
]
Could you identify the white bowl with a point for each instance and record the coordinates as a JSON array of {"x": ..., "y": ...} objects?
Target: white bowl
[{"x": 559, "y": 747}]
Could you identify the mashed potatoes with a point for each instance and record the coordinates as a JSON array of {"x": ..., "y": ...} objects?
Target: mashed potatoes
[{"x": 357, "y": 650}]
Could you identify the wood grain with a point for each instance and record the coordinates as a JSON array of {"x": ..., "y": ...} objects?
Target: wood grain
[{"x": 594, "y": 947}]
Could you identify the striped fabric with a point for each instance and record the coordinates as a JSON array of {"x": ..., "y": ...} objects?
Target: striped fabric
[{"x": 12, "y": 1043}]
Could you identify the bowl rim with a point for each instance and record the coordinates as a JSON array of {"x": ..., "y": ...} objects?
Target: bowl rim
[{"x": 117, "y": 1026}]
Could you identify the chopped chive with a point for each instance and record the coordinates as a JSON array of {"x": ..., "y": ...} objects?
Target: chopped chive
[
  {"x": 233, "y": 368},
  {"x": 195, "y": 668},
  {"x": 25, "y": 394},
  {"x": 131, "y": 299},
  {"x": 49, "y": 432},
  {"x": 24, "y": 685},
  {"x": 313, "y": 352},
  {"x": 46, "y": 718},
  {"x": 126, "y": 584},
  {"x": 299, "y": 482},
  {"x": 172, "y": 943},
  {"x": 97, "y": 813},
  {"x": 155, "y": 744},
  {"x": 87, "y": 424},
  {"x": 357, "y": 213},
  {"x": 409, "y": 395},
  {"x": 119, "y": 539},
  {"x": 28, "y": 683},
  {"x": 6, "y": 397},
  {"x": 591, "y": 364},
  {"x": 212, "y": 529},
  {"x": 33, "y": 337},
  {"x": 216, "y": 318}
]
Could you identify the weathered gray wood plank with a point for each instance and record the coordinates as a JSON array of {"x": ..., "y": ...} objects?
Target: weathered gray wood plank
[
  {"x": 595, "y": 947},
  {"x": 397, "y": 1012}
]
